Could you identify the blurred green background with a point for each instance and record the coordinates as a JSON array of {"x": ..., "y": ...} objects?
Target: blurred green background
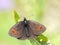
[{"x": 46, "y": 12}]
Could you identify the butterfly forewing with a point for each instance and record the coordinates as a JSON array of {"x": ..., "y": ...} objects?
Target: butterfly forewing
[
  {"x": 36, "y": 27},
  {"x": 16, "y": 30}
]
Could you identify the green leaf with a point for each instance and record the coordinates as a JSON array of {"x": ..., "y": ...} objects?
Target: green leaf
[
  {"x": 34, "y": 42},
  {"x": 42, "y": 39},
  {"x": 16, "y": 16}
]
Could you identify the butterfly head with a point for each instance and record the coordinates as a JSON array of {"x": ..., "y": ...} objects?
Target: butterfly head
[{"x": 25, "y": 21}]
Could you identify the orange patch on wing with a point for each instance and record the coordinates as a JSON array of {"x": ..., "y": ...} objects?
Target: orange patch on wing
[
  {"x": 14, "y": 31},
  {"x": 38, "y": 28}
]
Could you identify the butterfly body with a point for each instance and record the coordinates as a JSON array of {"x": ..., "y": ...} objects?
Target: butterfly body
[{"x": 26, "y": 29}]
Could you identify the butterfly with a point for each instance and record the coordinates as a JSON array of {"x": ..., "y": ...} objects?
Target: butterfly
[{"x": 26, "y": 29}]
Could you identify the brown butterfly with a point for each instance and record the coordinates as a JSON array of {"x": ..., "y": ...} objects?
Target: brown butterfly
[{"x": 26, "y": 29}]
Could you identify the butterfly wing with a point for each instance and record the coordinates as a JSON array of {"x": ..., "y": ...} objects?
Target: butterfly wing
[
  {"x": 36, "y": 27},
  {"x": 16, "y": 30}
]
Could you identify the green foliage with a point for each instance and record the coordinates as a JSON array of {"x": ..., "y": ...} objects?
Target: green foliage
[
  {"x": 34, "y": 42},
  {"x": 16, "y": 16},
  {"x": 42, "y": 39}
]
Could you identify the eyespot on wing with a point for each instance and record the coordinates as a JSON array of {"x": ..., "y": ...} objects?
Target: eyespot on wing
[{"x": 14, "y": 32}]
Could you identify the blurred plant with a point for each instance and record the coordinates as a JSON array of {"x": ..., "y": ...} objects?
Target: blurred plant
[
  {"x": 40, "y": 40},
  {"x": 16, "y": 16}
]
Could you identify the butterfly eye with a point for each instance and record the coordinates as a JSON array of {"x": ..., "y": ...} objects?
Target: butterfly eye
[{"x": 14, "y": 31}]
